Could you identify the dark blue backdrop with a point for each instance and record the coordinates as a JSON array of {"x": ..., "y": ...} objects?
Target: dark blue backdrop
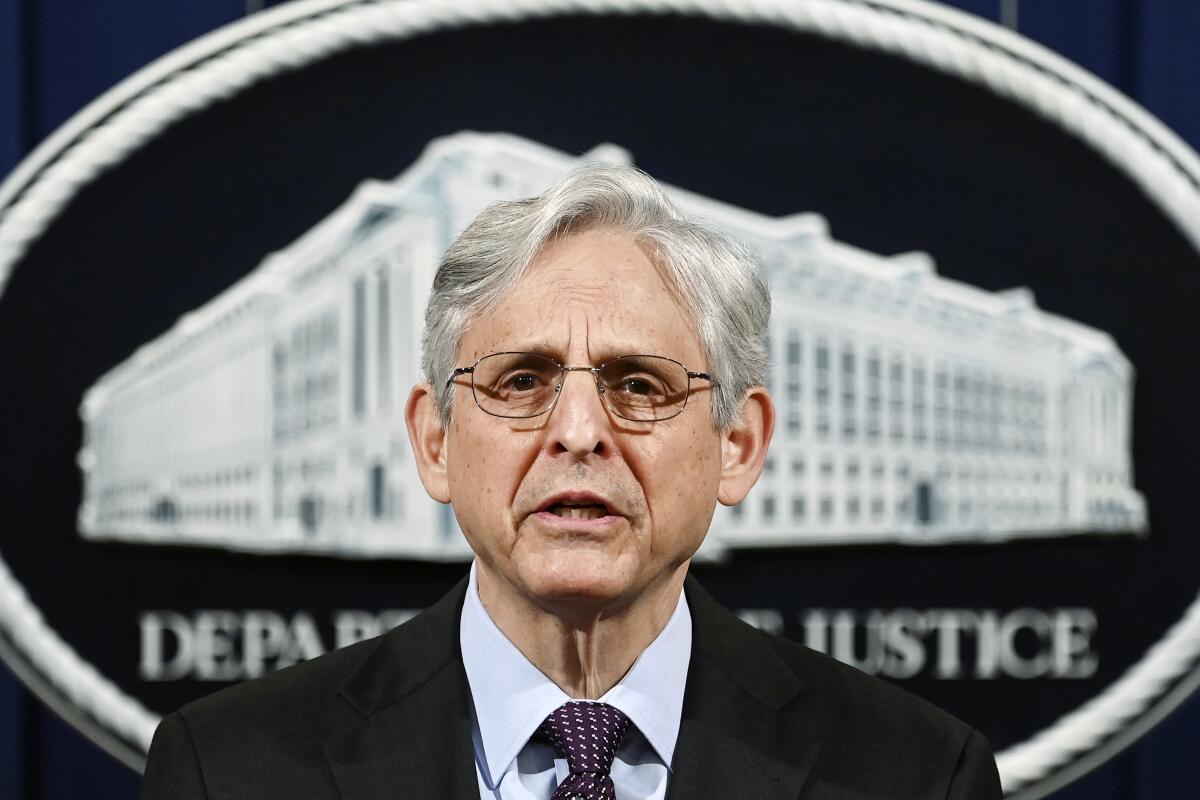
[{"x": 57, "y": 55}]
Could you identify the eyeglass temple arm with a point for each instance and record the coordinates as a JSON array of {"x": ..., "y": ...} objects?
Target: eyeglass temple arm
[
  {"x": 703, "y": 375},
  {"x": 459, "y": 371}
]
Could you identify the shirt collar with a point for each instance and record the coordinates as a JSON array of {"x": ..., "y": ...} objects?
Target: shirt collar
[{"x": 512, "y": 697}]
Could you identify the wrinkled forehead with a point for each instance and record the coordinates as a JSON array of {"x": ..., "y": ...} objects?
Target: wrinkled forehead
[{"x": 596, "y": 292}]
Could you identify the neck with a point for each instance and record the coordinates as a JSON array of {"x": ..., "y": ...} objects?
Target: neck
[{"x": 585, "y": 648}]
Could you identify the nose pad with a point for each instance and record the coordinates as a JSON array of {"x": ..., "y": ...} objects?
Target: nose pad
[
  {"x": 577, "y": 426},
  {"x": 563, "y": 383},
  {"x": 595, "y": 382}
]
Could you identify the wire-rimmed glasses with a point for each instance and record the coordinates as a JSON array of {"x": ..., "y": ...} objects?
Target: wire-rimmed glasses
[{"x": 640, "y": 388}]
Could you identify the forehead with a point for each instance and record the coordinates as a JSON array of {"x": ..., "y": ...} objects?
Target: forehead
[{"x": 597, "y": 293}]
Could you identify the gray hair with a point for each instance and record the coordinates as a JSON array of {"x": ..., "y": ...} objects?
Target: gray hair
[{"x": 719, "y": 279}]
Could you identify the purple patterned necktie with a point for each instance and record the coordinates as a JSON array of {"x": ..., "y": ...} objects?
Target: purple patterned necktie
[{"x": 587, "y": 735}]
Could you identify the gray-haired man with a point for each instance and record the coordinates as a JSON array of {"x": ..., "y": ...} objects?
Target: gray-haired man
[{"x": 595, "y": 367}]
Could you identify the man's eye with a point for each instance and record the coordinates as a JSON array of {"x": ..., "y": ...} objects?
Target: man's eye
[
  {"x": 642, "y": 386},
  {"x": 637, "y": 386},
  {"x": 523, "y": 383}
]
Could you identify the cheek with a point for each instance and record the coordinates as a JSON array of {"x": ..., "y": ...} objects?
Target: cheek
[
  {"x": 483, "y": 471},
  {"x": 681, "y": 487}
]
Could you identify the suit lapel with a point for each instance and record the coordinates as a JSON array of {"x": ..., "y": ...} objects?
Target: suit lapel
[
  {"x": 407, "y": 730},
  {"x": 411, "y": 735},
  {"x": 742, "y": 732}
]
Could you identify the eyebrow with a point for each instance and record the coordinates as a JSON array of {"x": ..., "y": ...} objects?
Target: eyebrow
[{"x": 545, "y": 347}]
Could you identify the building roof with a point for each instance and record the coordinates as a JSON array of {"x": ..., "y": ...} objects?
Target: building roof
[{"x": 511, "y": 166}]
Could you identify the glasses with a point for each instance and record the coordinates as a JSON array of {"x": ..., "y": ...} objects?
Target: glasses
[{"x": 523, "y": 385}]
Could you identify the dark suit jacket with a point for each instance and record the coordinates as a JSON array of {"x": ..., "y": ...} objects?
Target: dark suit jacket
[{"x": 390, "y": 718}]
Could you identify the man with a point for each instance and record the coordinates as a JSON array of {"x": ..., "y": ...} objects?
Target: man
[{"x": 595, "y": 368}]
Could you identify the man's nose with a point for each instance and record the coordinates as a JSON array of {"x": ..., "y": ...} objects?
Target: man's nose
[{"x": 579, "y": 423}]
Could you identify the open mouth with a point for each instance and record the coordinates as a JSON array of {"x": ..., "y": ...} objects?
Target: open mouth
[{"x": 580, "y": 511}]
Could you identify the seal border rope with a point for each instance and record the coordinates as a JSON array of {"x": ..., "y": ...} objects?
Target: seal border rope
[{"x": 239, "y": 55}]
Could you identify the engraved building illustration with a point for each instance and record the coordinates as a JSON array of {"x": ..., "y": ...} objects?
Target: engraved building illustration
[{"x": 911, "y": 408}]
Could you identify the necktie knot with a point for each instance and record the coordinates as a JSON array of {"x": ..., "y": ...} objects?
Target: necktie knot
[{"x": 587, "y": 735}]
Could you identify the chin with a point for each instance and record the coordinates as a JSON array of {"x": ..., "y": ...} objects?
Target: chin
[{"x": 586, "y": 577}]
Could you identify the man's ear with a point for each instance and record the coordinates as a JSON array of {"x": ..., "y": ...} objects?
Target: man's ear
[
  {"x": 428, "y": 439},
  {"x": 744, "y": 446}
]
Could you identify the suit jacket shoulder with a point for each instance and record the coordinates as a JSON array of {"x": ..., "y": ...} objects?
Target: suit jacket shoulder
[
  {"x": 818, "y": 727},
  {"x": 263, "y": 733},
  {"x": 335, "y": 726}
]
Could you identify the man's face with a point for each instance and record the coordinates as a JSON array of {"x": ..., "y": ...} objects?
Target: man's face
[{"x": 587, "y": 298}]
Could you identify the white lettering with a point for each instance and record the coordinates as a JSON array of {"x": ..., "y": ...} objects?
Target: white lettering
[
  {"x": 1011, "y": 661},
  {"x": 844, "y": 644},
  {"x": 227, "y": 645},
  {"x": 950, "y": 624},
  {"x": 1073, "y": 656},
  {"x": 263, "y": 635},
  {"x": 948, "y": 643},
  {"x": 303, "y": 641},
  {"x": 902, "y": 632},
  {"x": 816, "y": 627},
  {"x": 156, "y": 626},
  {"x": 985, "y": 644},
  {"x": 354, "y": 626},
  {"x": 214, "y": 633}
]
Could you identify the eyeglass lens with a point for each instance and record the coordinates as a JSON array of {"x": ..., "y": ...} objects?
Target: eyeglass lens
[{"x": 641, "y": 388}]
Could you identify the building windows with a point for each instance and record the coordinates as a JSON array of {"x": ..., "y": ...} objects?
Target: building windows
[
  {"x": 378, "y": 481},
  {"x": 920, "y": 430},
  {"x": 995, "y": 414},
  {"x": 794, "y": 358},
  {"x": 941, "y": 408},
  {"x": 896, "y": 398},
  {"x": 961, "y": 409},
  {"x": 1016, "y": 417},
  {"x": 798, "y": 509},
  {"x": 793, "y": 349},
  {"x": 849, "y": 393},
  {"x": 304, "y": 378},
  {"x": 793, "y": 420},
  {"x": 1040, "y": 429},
  {"x": 826, "y": 508},
  {"x": 359, "y": 349},
  {"x": 823, "y": 388},
  {"x": 768, "y": 507},
  {"x": 309, "y": 514},
  {"x": 874, "y": 396},
  {"x": 383, "y": 322},
  {"x": 980, "y": 403}
]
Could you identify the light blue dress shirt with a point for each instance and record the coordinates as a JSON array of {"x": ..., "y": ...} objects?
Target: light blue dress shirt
[{"x": 512, "y": 697}]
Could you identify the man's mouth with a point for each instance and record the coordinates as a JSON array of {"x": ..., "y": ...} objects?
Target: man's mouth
[{"x": 573, "y": 511}]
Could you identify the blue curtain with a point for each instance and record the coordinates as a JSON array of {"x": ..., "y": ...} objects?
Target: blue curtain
[{"x": 56, "y": 55}]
